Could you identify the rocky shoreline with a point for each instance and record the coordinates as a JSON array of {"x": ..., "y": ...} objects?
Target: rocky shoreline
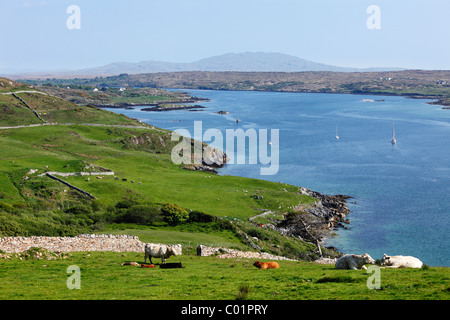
[
  {"x": 326, "y": 215},
  {"x": 333, "y": 208}
]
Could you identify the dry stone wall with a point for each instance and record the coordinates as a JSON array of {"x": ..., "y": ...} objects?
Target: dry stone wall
[
  {"x": 113, "y": 243},
  {"x": 84, "y": 242},
  {"x": 225, "y": 253}
]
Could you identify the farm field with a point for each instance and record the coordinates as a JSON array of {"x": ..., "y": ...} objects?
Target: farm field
[{"x": 209, "y": 278}]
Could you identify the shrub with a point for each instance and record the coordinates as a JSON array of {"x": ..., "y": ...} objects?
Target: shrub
[
  {"x": 261, "y": 234},
  {"x": 96, "y": 206},
  {"x": 10, "y": 228},
  {"x": 6, "y": 207},
  {"x": 142, "y": 214},
  {"x": 198, "y": 216},
  {"x": 174, "y": 214},
  {"x": 125, "y": 204},
  {"x": 80, "y": 209}
]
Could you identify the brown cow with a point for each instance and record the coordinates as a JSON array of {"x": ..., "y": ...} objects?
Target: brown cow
[{"x": 266, "y": 265}]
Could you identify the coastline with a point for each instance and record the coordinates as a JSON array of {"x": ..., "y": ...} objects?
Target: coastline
[
  {"x": 127, "y": 105},
  {"x": 327, "y": 214},
  {"x": 329, "y": 234},
  {"x": 160, "y": 108}
]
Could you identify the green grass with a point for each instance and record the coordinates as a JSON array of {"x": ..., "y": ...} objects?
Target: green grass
[
  {"x": 54, "y": 110},
  {"x": 162, "y": 181},
  {"x": 103, "y": 277}
]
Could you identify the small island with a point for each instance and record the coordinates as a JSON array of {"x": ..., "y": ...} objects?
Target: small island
[{"x": 172, "y": 107}]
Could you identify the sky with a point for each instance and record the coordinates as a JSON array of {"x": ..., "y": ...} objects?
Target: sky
[{"x": 34, "y": 34}]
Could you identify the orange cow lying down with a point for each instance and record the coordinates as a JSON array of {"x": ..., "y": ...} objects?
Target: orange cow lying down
[{"x": 266, "y": 265}]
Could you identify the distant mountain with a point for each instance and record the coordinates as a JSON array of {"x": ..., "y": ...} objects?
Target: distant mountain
[
  {"x": 247, "y": 61},
  {"x": 261, "y": 62}
]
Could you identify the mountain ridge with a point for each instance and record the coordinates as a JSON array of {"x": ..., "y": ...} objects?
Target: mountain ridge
[{"x": 246, "y": 61}]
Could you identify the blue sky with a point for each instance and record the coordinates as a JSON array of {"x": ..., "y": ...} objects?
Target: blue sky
[{"x": 34, "y": 35}]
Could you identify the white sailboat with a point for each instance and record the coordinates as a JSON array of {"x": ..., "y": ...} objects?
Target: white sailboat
[
  {"x": 393, "y": 141},
  {"x": 337, "y": 136}
]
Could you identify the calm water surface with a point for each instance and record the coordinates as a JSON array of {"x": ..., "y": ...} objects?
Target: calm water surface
[{"x": 400, "y": 192}]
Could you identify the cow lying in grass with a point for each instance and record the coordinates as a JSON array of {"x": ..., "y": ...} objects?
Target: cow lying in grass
[
  {"x": 354, "y": 261},
  {"x": 266, "y": 265},
  {"x": 401, "y": 262},
  {"x": 161, "y": 251}
]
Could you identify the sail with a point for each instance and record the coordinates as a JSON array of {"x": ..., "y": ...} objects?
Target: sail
[{"x": 393, "y": 141}]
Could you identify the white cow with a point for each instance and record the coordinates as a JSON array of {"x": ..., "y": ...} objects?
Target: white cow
[
  {"x": 161, "y": 251},
  {"x": 354, "y": 261},
  {"x": 401, "y": 261}
]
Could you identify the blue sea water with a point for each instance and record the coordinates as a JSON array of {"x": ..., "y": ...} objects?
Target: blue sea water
[{"x": 400, "y": 193}]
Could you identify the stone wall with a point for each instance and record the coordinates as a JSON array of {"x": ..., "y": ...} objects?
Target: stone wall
[
  {"x": 85, "y": 242},
  {"x": 224, "y": 253},
  {"x": 113, "y": 243}
]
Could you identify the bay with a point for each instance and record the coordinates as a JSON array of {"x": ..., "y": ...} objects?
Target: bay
[{"x": 400, "y": 193}]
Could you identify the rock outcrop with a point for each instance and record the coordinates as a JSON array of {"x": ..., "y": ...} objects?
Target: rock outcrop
[
  {"x": 331, "y": 208},
  {"x": 313, "y": 224}
]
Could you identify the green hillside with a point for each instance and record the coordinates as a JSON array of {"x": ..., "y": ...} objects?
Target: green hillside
[
  {"x": 136, "y": 189},
  {"x": 21, "y": 104},
  {"x": 86, "y": 139}
]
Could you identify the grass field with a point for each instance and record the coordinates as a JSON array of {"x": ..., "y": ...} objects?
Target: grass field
[
  {"x": 103, "y": 277},
  {"x": 161, "y": 181}
]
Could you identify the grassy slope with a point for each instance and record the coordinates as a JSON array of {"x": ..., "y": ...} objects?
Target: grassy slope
[
  {"x": 140, "y": 155},
  {"x": 102, "y": 277},
  {"x": 202, "y": 278},
  {"x": 162, "y": 181}
]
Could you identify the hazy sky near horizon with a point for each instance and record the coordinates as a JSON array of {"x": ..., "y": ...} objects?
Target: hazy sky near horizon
[{"x": 34, "y": 34}]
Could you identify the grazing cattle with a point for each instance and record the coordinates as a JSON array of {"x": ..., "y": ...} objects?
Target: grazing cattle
[
  {"x": 401, "y": 262},
  {"x": 161, "y": 251},
  {"x": 266, "y": 265},
  {"x": 148, "y": 266},
  {"x": 129, "y": 263},
  {"x": 354, "y": 261}
]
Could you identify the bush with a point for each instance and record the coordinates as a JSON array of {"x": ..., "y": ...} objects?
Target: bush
[
  {"x": 125, "y": 204},
  {"x": 142, "y": 214},
  {"x": 261, "y": 234},
  {"x": 6, "y": 207},
  {"x": 10, "y": 228},
  {"x": 197, "y": 216},
  {"x": 174, "y": 214},
  {"x": 80, "y": 209}
]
